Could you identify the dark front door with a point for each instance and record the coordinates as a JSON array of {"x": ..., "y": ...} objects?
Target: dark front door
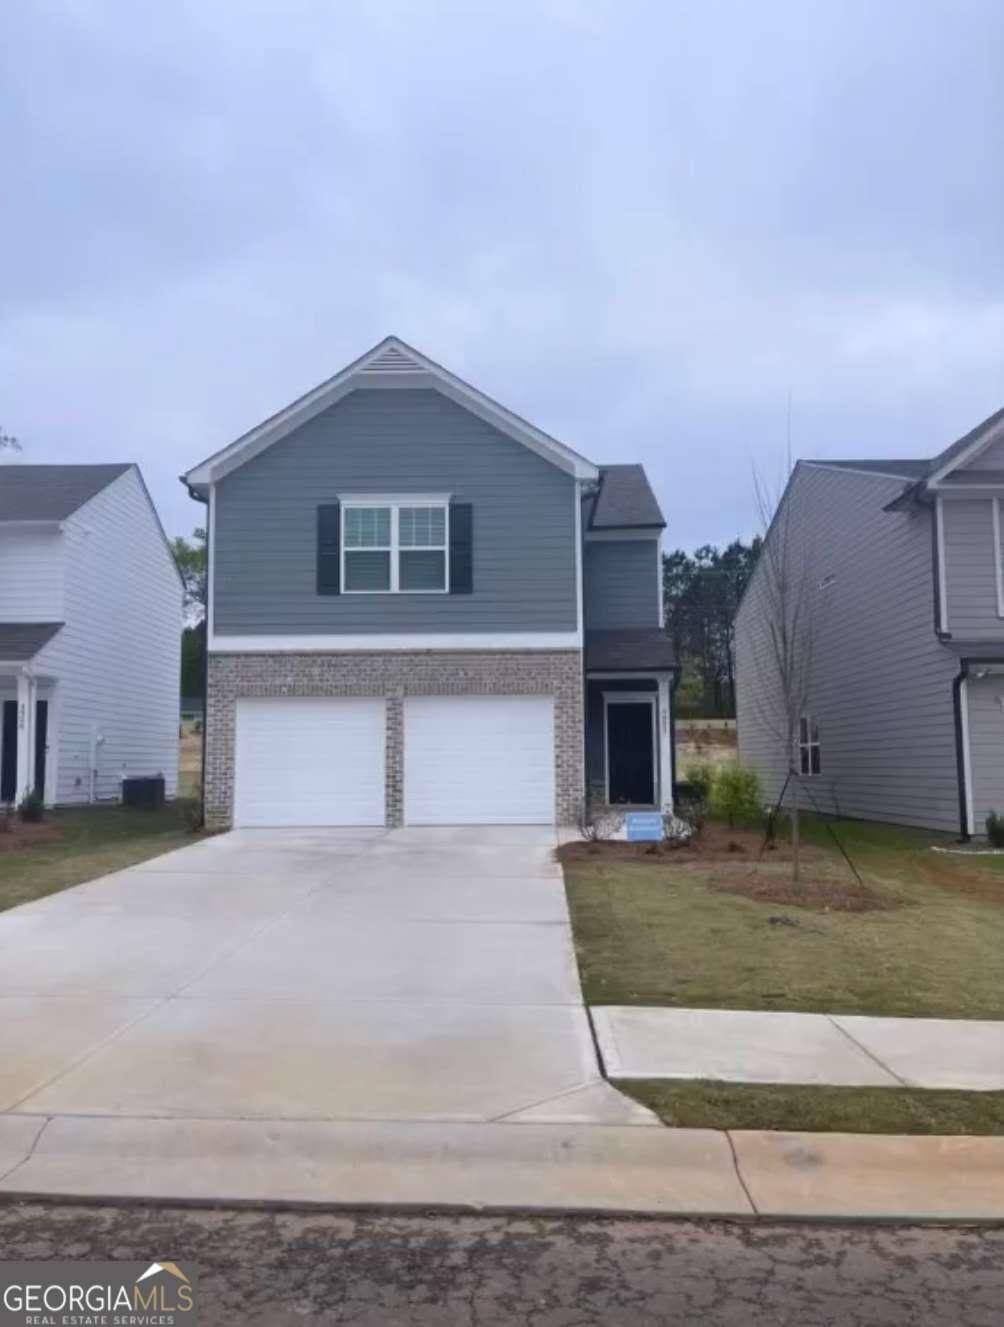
[
  {"x": 630, "y": 748},
  {"x": 8, "y": 752},
  {"x": 41, "y": 742}
]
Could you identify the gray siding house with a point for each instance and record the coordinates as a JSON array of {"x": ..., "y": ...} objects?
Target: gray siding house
[
  {"x": 424, "y": 610},
  {"x": 900, "y": 575}
]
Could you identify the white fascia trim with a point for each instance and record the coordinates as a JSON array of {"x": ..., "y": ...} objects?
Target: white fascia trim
[
  {"x": 211, "y": 559},
  {"x": 394, "y": 499},
  {"x": 998, "y": 571},
  {"x": 939, "y": 518},
  {"x": 968, "y": 490},
  {"x": 964, "y": 457},
  {"x": 621, "y": 536},
  {"x": 379, "y": 642},
  {"x": 357, "y": 374},
  {"x": 577, "y": 526},
  {"x": 967, "y": 763}
]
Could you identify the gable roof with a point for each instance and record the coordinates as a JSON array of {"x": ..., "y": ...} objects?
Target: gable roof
[
  {"x": 969, "y": 445},
  {"x": 932, "y": 470},
  {"x": 624, "y": 500},
  {"x": 20, "y": 641},
  {"x": 894, "y": 468},
  {"x": 51, "y": 492},
  {"x": 390, "y": 363}
]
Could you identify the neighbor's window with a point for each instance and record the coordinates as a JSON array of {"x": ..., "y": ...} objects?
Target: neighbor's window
[
  {"x": 394, "y": 548},
  {"x": 808, "y": 745}
]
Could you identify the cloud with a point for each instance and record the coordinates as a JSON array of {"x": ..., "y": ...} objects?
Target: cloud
[{"x": 641, "y": 226}]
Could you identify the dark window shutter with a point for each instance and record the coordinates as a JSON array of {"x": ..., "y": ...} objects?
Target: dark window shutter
[
  {"x": 328, "y": 549},
  {"x": 461, "y": 548}
]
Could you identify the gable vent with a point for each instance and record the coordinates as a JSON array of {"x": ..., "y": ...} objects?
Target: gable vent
[{"x": 392, "y": 360}]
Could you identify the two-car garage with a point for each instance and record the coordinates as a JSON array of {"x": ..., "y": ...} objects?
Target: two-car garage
[{"x": 472, "y": 759}]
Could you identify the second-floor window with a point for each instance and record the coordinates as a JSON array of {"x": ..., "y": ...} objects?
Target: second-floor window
[
  {"x": 808, "y": 745},
  {"x": 395, "y": 548}
]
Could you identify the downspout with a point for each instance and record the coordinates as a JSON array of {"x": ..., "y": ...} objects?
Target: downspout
[
  {"x": 960, "y": 751},
  {"x": 205, "y": 659}
]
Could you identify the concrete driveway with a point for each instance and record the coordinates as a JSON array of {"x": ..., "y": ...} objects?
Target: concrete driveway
[{"x": 415, "y": 974}]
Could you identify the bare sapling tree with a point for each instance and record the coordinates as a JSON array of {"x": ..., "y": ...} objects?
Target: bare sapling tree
[{"x": 786, "y": 608}]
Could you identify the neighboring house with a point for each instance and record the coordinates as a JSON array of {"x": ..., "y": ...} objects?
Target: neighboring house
[
  {"x": 904, "y": 716},
  {"x": 420, "y": 609},
  {"x": 90, "y": 628}
]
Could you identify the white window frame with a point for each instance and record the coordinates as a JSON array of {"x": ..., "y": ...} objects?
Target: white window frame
[
  {"x": 394, "y": 549},
  {"x": 805, "y": 748}
]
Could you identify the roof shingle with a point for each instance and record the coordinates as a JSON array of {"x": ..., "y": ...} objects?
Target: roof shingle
[
  {"x": 625, "y": 500},
  {"x": 629, "y": 648},
  {"x": 20, "y": 641},
  {"x": 51, "y": 492}
]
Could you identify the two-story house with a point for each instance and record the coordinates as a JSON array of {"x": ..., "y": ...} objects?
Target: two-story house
[
  {"x": 897, "y": 568},
  {"x": 424, "y": 610},
  {"x": 90, "y": 627}
]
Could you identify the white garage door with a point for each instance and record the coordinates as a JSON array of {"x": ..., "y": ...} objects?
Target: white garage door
[
  {"x": 309, "y": 762},
  {"x": 479, "y": 760}
]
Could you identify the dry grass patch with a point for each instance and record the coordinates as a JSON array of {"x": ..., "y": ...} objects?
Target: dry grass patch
[{"x": 822, "y": 893}]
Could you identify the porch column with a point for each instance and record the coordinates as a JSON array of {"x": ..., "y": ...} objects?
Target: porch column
[
  {"x": 665, "y": 745},
  {"x": 25, "y": 735}
]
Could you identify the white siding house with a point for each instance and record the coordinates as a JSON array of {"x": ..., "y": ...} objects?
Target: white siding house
[{"x": 90, "y": 624}]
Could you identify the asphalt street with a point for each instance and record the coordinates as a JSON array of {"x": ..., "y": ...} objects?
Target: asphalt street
[{"x": 270, "y": 1269}]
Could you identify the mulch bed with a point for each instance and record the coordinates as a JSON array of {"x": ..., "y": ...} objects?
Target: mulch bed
[
  {"x": 752, "y": 869},
  {"x": 716, "y": 843},
  {"x": 821, "y": 895},
  {"x": 22, "y": 835}
]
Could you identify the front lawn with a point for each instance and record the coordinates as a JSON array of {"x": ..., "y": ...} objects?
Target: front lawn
[
  {"x": 664, "y": 930},
  {"x": 89, "y": 841},
  {"x": 697, "y": 1104}
]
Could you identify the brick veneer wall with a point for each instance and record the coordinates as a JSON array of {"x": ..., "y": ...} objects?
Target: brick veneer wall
[{"x": 395, "y": 675}]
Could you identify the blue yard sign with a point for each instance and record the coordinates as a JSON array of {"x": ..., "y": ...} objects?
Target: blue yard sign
[{"x": 643, "y": 826}]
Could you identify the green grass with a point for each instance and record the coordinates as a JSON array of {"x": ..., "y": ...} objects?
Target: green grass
[
  {"x": 95, "y": 839},
  {"x": 696, "y": 1104},
  {"x": 663, "y": 935}
]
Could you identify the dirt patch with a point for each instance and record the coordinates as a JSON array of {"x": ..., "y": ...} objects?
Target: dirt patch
[
  {"x": 816, "y": 893},
  {"x": 716, "y": 843},
  {"x": 21, "y": 835}
]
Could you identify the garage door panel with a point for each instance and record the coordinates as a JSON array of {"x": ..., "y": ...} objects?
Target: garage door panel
[
  {"x": 479, "y": 760},
  {"x": 309, "y": 761}
]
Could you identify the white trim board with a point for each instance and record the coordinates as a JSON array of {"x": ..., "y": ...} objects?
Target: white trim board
[
  {"x": 392, "y": 363},
  {"x": 378, "y": 642},
  {"x": 998, "y": 571},
  {"x": 939, "y": 520}
]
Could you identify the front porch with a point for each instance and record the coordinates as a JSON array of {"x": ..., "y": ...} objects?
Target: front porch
[
  {"x": 27, "y": 703},
  {"x": 629, "y": 719}
]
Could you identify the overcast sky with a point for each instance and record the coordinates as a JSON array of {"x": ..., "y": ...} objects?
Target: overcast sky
[{"x": 639, "y": 224}]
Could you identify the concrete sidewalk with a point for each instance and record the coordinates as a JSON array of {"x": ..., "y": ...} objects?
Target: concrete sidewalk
[{"x": 739, "y": 1046}]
